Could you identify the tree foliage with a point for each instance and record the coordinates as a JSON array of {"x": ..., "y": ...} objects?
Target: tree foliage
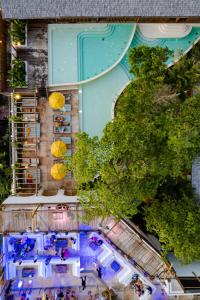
[
  {"x": 5, "y": 172},
  {"x": 175, "y": 218},
  {"x": 148, "y": 63}
]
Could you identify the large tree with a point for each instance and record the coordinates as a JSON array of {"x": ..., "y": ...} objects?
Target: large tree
[{"x": 175, "y": 218}]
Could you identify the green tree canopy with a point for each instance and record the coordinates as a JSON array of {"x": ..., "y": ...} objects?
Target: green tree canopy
[{"x": 175, "y": 218}]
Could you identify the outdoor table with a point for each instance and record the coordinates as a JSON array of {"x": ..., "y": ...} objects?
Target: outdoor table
[
  {"x": 28, "y": 272},
  {"x": 30, "y": 244},
  {"x": 94, "y": 246},
  {"x": 115, "y": 266},
  {"x": 60, "y": 243}
]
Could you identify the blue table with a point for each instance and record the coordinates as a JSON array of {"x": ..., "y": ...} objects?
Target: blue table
[
  {"x": 60, "y": 243},
  {"x": 115, "y": 266},
  {"x": 93, "y": 246}
]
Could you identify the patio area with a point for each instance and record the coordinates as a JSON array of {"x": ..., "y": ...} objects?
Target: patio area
[
  {"x": 54, "y": 262},
  {"x": 35, "y": 126}
]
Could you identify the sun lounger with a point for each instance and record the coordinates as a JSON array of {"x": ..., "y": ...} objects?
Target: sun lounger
[
  {"x": 66, "y": 118},
  {"x": 69, "y": 175},
  {"x": 69, "y": 152},
  {"x": 62, "y": 129},
  {"x": 68, "y": 97},
  {"x": 66, "y": 139},
  {"x": 66, "y": 108}
]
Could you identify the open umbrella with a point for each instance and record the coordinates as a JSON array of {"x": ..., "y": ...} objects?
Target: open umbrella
[
  {"x": 56, "y": 100},
  {"x": 58, "y": 148},
  {"x": 58, "y": 171}
]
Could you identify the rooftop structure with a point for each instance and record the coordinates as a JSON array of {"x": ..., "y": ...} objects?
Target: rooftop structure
[{"x": 98, "y": 9}]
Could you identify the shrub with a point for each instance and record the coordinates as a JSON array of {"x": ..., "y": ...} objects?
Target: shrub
[
  {"x": 18, "y": 31},
  {"x": 17, "y": 73}
]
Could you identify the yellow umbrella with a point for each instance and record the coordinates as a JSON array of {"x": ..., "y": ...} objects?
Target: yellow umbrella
[
  {"x": 56, "y": 100},
  {"x": 58, "y": 148},
  {"x": 58, "y": 171}
]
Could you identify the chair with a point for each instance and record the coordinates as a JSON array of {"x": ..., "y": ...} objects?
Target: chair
[
  {"x": 62, "y": 129},
  {"x": 66, "y": 139},
  {"x": 68, "y": 97},
  {"x": 66, "y": 118},
  {"x": 66, "y": 108}
]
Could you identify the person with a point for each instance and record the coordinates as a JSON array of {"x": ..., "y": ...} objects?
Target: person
[
  {"x": 62, "y": 254},
  {"x": 66, "y": 253},
  {"x": 100, "y": 242},
  {"x": 60, "y": 295},
  {"x": 73, "y": 240},
  {"x": 83, "y": 282},
  {"x": 29, "y": 178},
  {"x": 47, "y": 261},
  {"x": 35, "y": 258},
  {"x": 94, "y": 239},
  {"x": 99, "y": 271},
  {"x": 149, "y": 288}
]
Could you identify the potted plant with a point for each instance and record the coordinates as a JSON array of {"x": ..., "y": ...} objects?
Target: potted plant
[
  {"x": 18, "y": 32},
  {"x": 17, "y": 73},
  {"x": 15, "y": 119}
]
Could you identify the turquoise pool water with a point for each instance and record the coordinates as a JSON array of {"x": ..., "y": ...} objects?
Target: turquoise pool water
[
  {"x": 81, "y": 51},
  {"x": 97, "y": 52},
  {"x": 96, "y": 100}
]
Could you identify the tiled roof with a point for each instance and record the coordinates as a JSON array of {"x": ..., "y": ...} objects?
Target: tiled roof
[{"x": 28, "y": 9}]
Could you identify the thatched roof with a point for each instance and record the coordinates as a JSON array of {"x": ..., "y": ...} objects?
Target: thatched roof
[{"x": 37, "y": 9}]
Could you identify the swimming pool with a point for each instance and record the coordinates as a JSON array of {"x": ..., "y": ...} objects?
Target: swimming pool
[{"x": 80, "y": 52}]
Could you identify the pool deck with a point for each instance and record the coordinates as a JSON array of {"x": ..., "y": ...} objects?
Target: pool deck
[
  {"x": 47, "y": 138},
  {"x": 33, "y": 154}
]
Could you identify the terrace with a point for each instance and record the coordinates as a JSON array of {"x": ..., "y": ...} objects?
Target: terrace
[
  {"x": 131, "y": 251},
  {"x": 33, "y": 132}
]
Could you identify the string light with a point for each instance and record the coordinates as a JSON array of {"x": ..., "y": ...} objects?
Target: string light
[{"x": 17, "y": 96}]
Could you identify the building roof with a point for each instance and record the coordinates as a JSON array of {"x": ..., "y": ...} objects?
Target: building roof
[{"x": 30, "y": 9}]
